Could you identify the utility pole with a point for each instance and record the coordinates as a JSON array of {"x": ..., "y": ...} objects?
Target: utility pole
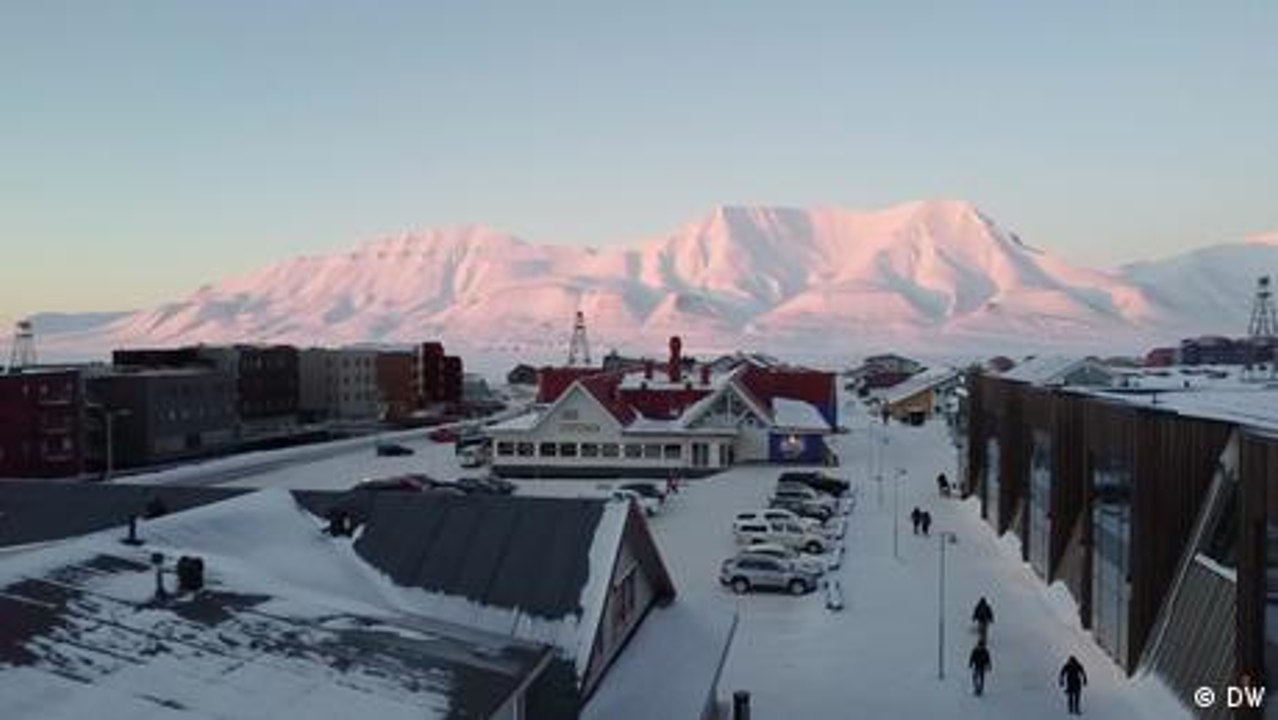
[{"x": 944, "y": 537}]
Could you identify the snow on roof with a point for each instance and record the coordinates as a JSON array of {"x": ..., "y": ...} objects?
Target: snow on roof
[
  {"x": 284, "y": 627},
  {"x": 519, "y": 423},
  {"x": 668, "y": 667},
  {"x": 797, "y": 415},
  {"x": 1045, "y": 369},
  {"x": 916, "y": 384},
  {"x": 1250, "y": 406}
]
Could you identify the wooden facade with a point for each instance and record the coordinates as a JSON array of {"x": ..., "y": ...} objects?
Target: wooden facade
[{"x": 1168, "y": 461}]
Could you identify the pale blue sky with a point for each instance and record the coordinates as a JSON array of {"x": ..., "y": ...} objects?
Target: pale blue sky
[{"x": 147, "y": 147}]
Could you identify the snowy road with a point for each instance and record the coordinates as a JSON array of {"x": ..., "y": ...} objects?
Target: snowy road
[{"x": 877, "y": 658}]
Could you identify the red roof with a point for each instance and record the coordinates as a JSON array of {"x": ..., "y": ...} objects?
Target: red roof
[
  {"x": 553, "y": 381},
  {"x": 605, "y": 387}
]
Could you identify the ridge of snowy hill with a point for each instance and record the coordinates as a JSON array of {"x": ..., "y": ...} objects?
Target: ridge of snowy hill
[{"x": 928, "y": 274}]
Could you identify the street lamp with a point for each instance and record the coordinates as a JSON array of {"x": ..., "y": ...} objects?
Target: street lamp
[
  {"x": 945, "y": 537},
  {"x": 896, "y": 513}
]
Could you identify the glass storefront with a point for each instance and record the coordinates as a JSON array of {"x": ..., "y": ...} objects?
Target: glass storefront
[
  {"x": 1040, "y": 503},
  {"x": 1111, "y": 557}
]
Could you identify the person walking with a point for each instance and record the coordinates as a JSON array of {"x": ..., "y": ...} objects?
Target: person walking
[
  {"x": 980, "y": 663},
  {"x": 983, "y": 616},
  {"x": 1073, "y": 677},
  {"x": 925, "y": 521},
  {"x": 916, "y": 518},
  {"x": 942, "y": 485}
]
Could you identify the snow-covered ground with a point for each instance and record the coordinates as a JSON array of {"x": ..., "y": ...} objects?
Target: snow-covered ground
[{"x": 878, "y": 656}]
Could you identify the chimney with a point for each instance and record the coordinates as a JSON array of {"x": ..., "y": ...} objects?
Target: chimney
[
  {"x": 648, "y": 367},
  {"x": 705, "y": 374},
  {"x": 676, "y": 359}
]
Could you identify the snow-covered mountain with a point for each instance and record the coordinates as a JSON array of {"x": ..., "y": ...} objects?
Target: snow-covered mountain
[{"x": 933, "y": 275}]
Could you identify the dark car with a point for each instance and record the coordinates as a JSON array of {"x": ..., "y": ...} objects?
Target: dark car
[
  {"x": 393, "y": 450},
  {"x": 646, "y": 489},
  {"x": 817, "y": 481},
  {"x": 486, "y": 485},
  {"x": 404, "y": 483},
  {"x": 444, "y": 435}
]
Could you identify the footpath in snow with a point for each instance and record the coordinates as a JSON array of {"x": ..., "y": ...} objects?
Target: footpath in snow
[{"x": 878, "y": 656}]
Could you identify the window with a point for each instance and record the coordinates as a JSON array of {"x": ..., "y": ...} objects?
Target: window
[
  {"x": 610, "y": 450},
  {"x": 633, "y": 451},
  {"x": 524, "y": 449},
  {"x": 672, "y": 452},
  {"x": 568, "y": 450},
  {"x": 652, "y": 452},
  {"x": 505, "y": 448},
  {"x": 589, "y": 450},
  {"x": 547, "y": 449}
]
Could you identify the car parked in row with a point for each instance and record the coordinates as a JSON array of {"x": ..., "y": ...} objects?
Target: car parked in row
[
  {"x": 788, "y": 533},
  {"x": 755, "y": 572},
  {"x": 803, "y": 500},
  {"x": 781, "y": 515},
  {"x": 487, "y": 485},
  {"x": 781, "y": 552},
  {"x": 390, "y": 449},
  {"x": 816, "y": 480}
]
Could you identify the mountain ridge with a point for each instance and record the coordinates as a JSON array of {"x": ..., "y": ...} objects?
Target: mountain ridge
[{"x": 923, "y": 273}]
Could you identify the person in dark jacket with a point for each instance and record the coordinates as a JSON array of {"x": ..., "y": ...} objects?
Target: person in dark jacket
[
  {"x": 925, "y": 522},
  {"x": 916, "y": 518},
  {"x": 1073, "y": 677},
  {"x": 980, "y": 663},
  {"x": 942, "y": 484},
  {"x": 983, "y": 616}
]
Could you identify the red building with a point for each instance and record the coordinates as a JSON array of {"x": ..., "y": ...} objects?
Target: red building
[
  {"x": 41, "y": 424},
  {"x": 395, "y": 383},
  {"x": 437, "y": 376}
]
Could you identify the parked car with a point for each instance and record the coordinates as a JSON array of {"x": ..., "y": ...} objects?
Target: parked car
[
  {"x": 405, "y": 483},
  {"x": 646, "y": 489},
  {"x": 781, "y": 552},
  {"x": 780, "y": 515},
  {"x": 647, "y": 504},
  {"x": 468, "y": 437},
  {"x": 817, "y": 481},
  {"x": 759, "y": 571},
  {"x": 475, "y": 456},
  {"x": 789, "y": 534},
  {"x": 489, "y": 485},
  {"x": 818, "y": 511},
  {"x": 444, "y": 435},
  {"x": 389, "y": 449}
]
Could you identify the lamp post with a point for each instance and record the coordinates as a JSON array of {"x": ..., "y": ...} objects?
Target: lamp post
[
  {"x": 945, "y": 537},
  {"x": 896, "y": 513}
]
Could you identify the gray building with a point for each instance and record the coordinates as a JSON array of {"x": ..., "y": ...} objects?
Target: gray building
[
  {"x": 158, "y": 415},
  {"x": 338, "y": 384}
]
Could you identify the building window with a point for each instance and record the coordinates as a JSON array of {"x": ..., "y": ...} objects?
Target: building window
[
  {"x": 672, "y": 452},
  {"x": 610, "y": 450},
  {"x": 633, "y": 451},
  {"x": 524, "y": 449},
  {"x": 505, "y": 448},
  {"x": 568, "y": 450},
  {"x": 652, "y": 451},
  {"x": 547, "y": 449},
  {"x": 623, "y": 598},
  {"x": 589, "y": 450}
]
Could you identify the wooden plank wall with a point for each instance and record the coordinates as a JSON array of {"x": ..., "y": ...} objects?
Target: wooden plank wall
[{"x": 1258, "y": 484}]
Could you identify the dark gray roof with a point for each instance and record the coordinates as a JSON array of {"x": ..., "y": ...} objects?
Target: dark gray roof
[
  {"x": 40, "y": 510},
  {"x": 525, "y": 553}
]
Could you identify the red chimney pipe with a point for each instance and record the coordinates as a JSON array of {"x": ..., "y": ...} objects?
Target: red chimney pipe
[
  {"x": 705, "y": 374},
  {"x": 676, "y": 359},
  {"x": 647, "y": 369}
]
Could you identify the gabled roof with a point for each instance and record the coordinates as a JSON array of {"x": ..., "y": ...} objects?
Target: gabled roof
[
  {"x": 921, "y": 382},
  {"x": 1049, "y": 369},
  {"x": 797, "y": 415},
  {"x": 731, "y": 384},
  {"x": 603, "y": 388}
]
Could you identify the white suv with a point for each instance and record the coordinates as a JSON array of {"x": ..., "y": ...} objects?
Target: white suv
[
  {"x": 781, "y": 552},
  {"x": 780, "y": 515},
  {"x": 783, "y": 532}
]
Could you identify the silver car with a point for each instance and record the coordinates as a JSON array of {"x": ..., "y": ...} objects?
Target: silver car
[{"x": 751, "y": 572}]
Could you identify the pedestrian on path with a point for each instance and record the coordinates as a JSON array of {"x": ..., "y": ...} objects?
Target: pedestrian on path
[
  {"x": 980, "y": 663},
  {"x": 983, "y": 616},
  {"x": 925, "y": 522},
  {"x": 1073, "y": 677},
  {"x": 942, "y": 485},
  {"x": 916, "y": 518}
]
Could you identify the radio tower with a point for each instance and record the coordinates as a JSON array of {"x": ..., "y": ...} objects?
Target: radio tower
[
  {"x": 579, "y": 347},
  {"x": 1262, "y": 330},
  {"x": 23, "y": 353}
]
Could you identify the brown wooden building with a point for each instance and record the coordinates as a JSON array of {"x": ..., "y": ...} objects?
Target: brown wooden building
[{"x": 1157, "y": 512}]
